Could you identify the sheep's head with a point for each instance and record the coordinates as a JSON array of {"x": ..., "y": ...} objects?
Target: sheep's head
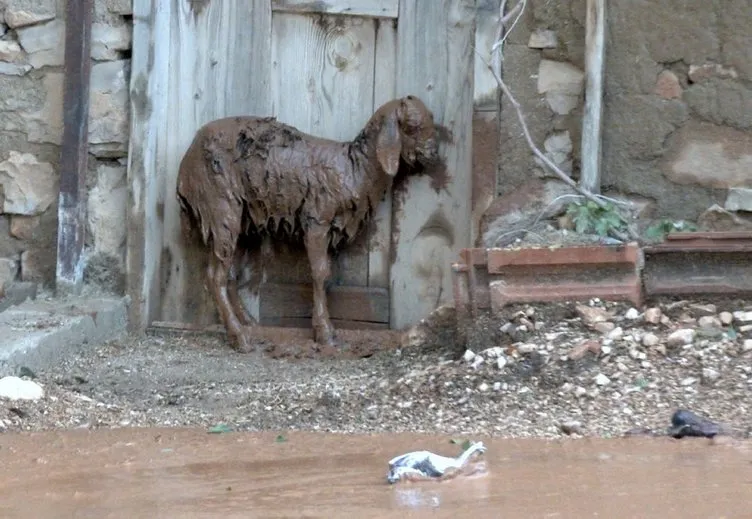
[{"x": 407, "y": 132}]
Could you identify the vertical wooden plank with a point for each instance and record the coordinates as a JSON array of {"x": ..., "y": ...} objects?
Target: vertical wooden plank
[
  {"x": 74, "y": 149},
  {"x": 322, "y": 83},
  {"x": 595, "y": 49},
  {"x": 148, "y": 103},
  {"x": 435, "y": 62},
  {"x": 486, "y": 91},
  {"x": 219, "y": 66},
  {"x": 383, "y": 90}
]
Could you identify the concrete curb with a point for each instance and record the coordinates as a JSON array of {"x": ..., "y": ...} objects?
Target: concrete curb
[{"x": 36, "y": 334}]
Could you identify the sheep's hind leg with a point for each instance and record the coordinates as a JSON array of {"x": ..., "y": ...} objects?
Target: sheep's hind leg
[
  {"x": 240, "y": 262},
  {"x": 317, "y": 245},
  {"x": 217, "y": 273}
]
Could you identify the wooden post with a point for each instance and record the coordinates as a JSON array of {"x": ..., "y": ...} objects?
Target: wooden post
[
  {"x": 75, "y": 147},
  {"x": 595, "y": 30}
]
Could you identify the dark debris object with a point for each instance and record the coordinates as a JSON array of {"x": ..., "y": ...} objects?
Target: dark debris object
[{"x": 686, "y": 423}]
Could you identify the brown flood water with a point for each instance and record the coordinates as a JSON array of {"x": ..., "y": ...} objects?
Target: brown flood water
[{"x": 173, "y": 473}]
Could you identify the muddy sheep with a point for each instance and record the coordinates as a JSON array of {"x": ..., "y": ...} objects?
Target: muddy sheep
[{"x": 255, "y": 176}]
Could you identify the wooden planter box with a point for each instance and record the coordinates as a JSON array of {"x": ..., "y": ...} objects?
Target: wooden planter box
[
  {"x": 493, "y": 278},
  {"x": 699, "y": 263}
]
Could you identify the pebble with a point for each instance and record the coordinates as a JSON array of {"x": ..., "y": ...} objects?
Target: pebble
[
  {"x": 743, "y": 317},
  {"x": 477, "y": 361},
  {"x": 650, "y": 340},
  {"x": 497, "y": 386},
  {"x": 747, "y": 345},
  {"x": 606, "y": 350},
  {"x": 527, "y": 348},
  {"x": 469, "y": 356},
  {"x": 615, "y": 334},
  {"x": 653, "y": 315},
  {"x": 493, "y": 352},
  {"x": 501, "y": 362},
  {"x": 632, "y": 314},
  {"x": 602, "y": 380},
  {"x": 604, "y": 327},
  {"x": 15, "y": 388},
  {"x": 681, "y": 337},
  {"x": 726, "y": 318},
  {"x": 688, "y": 381},
  {"x": 709, "y": 321},
  {"x": 710, "y": 375},
  {"x": 580, "y": 391},
  {"x": 483, "y": 387}
]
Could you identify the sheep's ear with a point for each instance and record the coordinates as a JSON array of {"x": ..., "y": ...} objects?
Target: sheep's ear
[{"x": 389, "y": 145}]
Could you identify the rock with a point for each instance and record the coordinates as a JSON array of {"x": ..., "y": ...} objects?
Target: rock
[
  {"x": 747, "y": 345},
  {"x": 709, "y": 321},
  {"x": 107, "y": 41},
  {"x": 580, "y": 391},
  {"x": 592, "y": 314},
  {"x": 30, "y": 186},
  {"x": 745, "y": 328},
  {"x": 710, "y": 375},
  {"x": 11, "y": 52},
  {"x": 650, "y": 340},
  {"x": 38, "y": 264},
  {"x": 14, "y": 388},
  {"x": 579, "y": 351},
  {"x": 681, "y": 337},
  {"x": 558, "y": 148},
  {"x": 661, "y": 348},
  {"x": 688, "y": 381},
  {"x": 716, "y": 218},
  {"x": 20, "y": 13},
  {"x": 653, "y": 315},
  {"x": 667, "y": 86},
  {"x": 703, "y": 310},
  {"x": 615, "y": 334},
  {"x": 700, "y": 73},
  {"x": 526, "y": 348},
  {"x": 710, "y": 156},
  {"x": 726, "y": 318},
  {"x": 543, "y": 39},
  {"x": 739, "y": 199},
  {"x": 121, "y": 7},
  {"x": 493, "y": 352},
  {"x": 22, "y": 227},
  {"x": 109, "y": 119},
  {"x": 606, "y": 350},
  {"x": 45, "y": 124},
  {"x": 497, "y": 386},
  {"x": 44, "y": 44},
  {"x": 743, "y": 317},
  {"x": 632, "y": 314},
  {"x": 501, "y": 362},
  {"x": 571, "y": 428},
  {"x": 8, "y": 272},
  {"x": 483, "y": 387},
  {"x": 107, "y": 211},
  {"x": 601, "y": 380},
  {"x": 604, "y": 327},
  {"x": 13, "y": 69},
  {"x": 477, "y": 361},
  {"x": 468, "y": 356},
  {"x": 562, "y": 83}
]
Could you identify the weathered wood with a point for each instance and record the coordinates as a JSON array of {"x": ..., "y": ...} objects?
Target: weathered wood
[
  {"x": 305, "y": 323},
  {"x": 345, "y": 303},
  {"x": 486, "y": 90},
  {"x": 372, "y": 8},
  {"x": 383, "y": 90},
  {"x": 75, "y": 146},
  {"x": 323, "y": 83},
  {"x": 435, "y": 62},
  {"x": 595, "y": 45},
  {"x": 219, "y": 66}
]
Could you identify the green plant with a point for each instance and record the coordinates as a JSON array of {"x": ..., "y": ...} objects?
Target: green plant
[
  {"x": 661, "y": 228},
  {"x": 589, "y": 217}
]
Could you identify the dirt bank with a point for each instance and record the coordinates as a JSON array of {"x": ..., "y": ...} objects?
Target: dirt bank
[{"x": 541, "y": 370}]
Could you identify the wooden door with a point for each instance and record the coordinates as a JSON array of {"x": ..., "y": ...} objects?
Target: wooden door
[{"x": 323, "y": 67}]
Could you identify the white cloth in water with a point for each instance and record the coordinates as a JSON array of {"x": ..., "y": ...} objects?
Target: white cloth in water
[{"x": 426, "y": 464}]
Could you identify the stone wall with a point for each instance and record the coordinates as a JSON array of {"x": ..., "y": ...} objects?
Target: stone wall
[
  {"x": 32, "y": 42},
  {"x": 677, "y": 106}
]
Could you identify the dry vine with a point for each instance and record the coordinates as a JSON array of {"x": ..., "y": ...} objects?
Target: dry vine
[{"x": 496, "y": 70}]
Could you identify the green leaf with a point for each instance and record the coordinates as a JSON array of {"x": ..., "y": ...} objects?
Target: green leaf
[
  {"x": 219, "y": 429},
  {"x": 731, "y": 333},
  {"x": 466, "y": 445},
  {"x": 280, "y": 439}
]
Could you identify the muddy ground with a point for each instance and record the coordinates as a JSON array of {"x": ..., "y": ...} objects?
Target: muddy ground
[{"x": 591, "y": 369}]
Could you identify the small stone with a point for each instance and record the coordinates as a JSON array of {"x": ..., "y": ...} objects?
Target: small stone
[
  {"x": 710, "y": 375},
  {"x": 526, "y": 348},
  {"x": 497, "y": 386},
  {"x": 44, "y": 43},
  {"x": 601, "y": 380},
  {"x": 743, "y": 317},
  {"x": 661, "y": 348},
  {"x": 20, "y": 13},
  {"x": 604, "y": 328},
  {"x": 477, "y": 361},
  {"x": 680, "y": 337},
  {"x": 572, "y": 427},
  {"x": 543, "y": 39},
  {"x": 501, "y": 362},
  {"x": 709, "y": 321},
  {"x": 580, "y": 391},
  {"x": 747, "y": 345},
  {"x": 483, "y": 387},
  {"x": 739, "y": 199},
  {"x": 592, "y": 315},
  {"x": 606, "y": 350},
  {"x": 11, "y": 52},
  {"x": 15, "y": 388},
  {"x": 30, "y": 186},
  {"x": 107, "y": 40},
  {"x": 468, "y": 356},
  {"x": 650, "y": 340},
  {"x": 688, "y": 381},
  {"x": 615, "y": 334},
  {"x": 653, "y": 315},
  {"x": 726, "y": 318},
  {"x": 745, "y": 328},
  {"x": 579, "y": 351},
  {"x": 667, "y": 86},
  {"x": 493, "y": 352},
  {"x": 703, "y": 310},
  {"x": 698, "y": 73},
  {"x": 665, "y": 320},
  {"x": 632, "y": 314}
]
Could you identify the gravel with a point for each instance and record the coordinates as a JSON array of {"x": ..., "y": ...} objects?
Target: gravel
[{"x": 590, "y": 369}]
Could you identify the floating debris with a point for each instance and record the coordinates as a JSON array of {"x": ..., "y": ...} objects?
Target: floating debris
[{"x": 418, "y": 465}]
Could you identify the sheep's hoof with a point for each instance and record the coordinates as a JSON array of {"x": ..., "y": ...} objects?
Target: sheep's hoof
[
  {"x": 242, "y": 342},
  {"x": 326, "y": 338}
]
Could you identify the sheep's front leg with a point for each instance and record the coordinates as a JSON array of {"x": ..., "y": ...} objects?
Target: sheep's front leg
[
  {"x": 317, "y": 247},
  {"x": 217, "y": 274}
]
